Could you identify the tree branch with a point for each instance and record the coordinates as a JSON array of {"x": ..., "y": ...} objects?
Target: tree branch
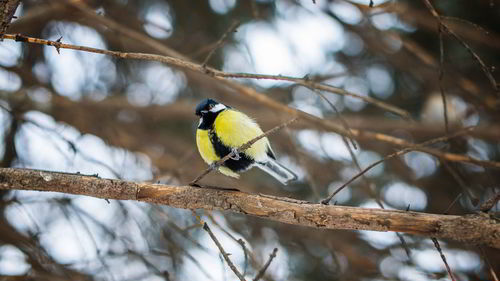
[
  {"x": 7, "y": 10},
  {"x": 473, "y": 228}
]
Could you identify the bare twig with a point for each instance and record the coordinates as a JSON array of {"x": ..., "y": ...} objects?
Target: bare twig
[
  {"x": 261, "y": 272},
  {"x": 221, "y": 42},
  {"x": 204, "y": 69},
  {"x": 441, "y": 76},
  {"x": 242, "y": 148},
  {"x": 342, "y": 120},
  {"x": 7, "y": 11},
  {"x": 476, "y": 57},
  {"x": 490, "y": 203},
  {"x": 319, "y": 86},
  {"x": 438, "y": 248},
  {"x": 452, "y": 203},
  {"x": 461, "y": 182},
  {"x": 356, "y": 163},
  {"x": 247, "y": 253},
  {"x": 494, "y": 276},
  {"x": 223, "y": 252},
  {"x": 392, "y": 155}
]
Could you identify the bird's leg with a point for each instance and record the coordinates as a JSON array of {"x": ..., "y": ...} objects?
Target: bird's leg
[{"x": 236, "y": 155}]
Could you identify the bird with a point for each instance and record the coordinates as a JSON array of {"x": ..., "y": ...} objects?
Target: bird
[{"x": 222, "y": 130}]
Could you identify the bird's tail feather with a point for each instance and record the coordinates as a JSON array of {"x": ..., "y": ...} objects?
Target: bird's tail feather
[{"x": 278, "y": 171}]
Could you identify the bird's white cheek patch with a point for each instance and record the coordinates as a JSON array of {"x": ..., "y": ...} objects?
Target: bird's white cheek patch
[
  {"x": 218, "y": 107},
  {"x": 201, "y": 121}
]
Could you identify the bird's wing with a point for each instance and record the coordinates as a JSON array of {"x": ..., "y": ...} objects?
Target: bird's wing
[{"x": 234, "y": 129}]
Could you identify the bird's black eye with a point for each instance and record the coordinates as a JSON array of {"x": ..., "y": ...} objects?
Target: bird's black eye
[{"x": 210, "y": 106}]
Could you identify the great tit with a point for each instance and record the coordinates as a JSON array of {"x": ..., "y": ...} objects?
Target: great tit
[{"x": 223, "y": 129}]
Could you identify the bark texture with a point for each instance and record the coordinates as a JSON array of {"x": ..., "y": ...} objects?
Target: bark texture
[
  {"x": 7, "y": 10},
  {"x": 473, "y": 228}
]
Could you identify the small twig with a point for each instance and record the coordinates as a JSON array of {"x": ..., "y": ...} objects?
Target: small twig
[
  {"x": 441, "y": 76},
  {"x": 490, "y": 203},
  {"x": 461, "y": 182},
  {"x": 6, "y": 109},
  {"x": 342, "y": 120},
  {"x": 261, "y": 272},
  {"x": 438, "y": 248},
  {"x": 223, "y": 252},
  {"x": 392, "y": 155},
  {"x": 452, "y": 203},
  {"x": 492, "y": 272},
  {"x": 319, "y": 86},
  {"x": 356, "y": 162},
  {"x": 476, "y": 57},
  {"x": 221, "y": 42},
  {"x": 240, "y": 149},
  {"x": 245, "y": 254}
]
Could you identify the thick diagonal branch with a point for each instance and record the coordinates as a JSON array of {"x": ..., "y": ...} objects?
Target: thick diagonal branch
[{"x": 474, "y": 228}]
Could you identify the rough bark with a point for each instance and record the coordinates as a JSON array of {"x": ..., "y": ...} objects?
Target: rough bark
[
  {"x": 473, "y": 228},
  {"x": 7, "y": 10}
]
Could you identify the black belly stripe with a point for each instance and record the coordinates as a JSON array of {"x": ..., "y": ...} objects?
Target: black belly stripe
[{"x": 222, "y": 150}]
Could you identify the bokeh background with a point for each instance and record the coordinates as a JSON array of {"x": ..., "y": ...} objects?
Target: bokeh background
[{"x": 80, "y": 112}]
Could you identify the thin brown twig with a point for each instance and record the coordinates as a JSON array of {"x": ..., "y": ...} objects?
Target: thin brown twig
[
  {"x": 476, "y": 57},
  {"x": 475, "y": 25},
  {"x": 223, "y": 252},
  {"x": 441, "y": 76},
  {"x": 261, "y": 272},
  {"x": 375, "y": 196},
  {"x": 490, "y": 203},
  {"x": 485, "y": 257},
  {"x": 452, "y": 203},
  {"x": 247, "y": 253},
  {"x": 242, "y": 148},
  {"x": 339, "y": 115},
  {"x": 438, "y": 248},
  {"x": 204, "y": 69},
  {"x": 319, "y": 86},
  {"x": 221, "y": 41},
  {"x": 461, "y": 182},
  {"x": 392, "y": 155}
]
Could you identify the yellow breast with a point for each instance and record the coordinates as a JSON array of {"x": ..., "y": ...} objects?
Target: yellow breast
[
  {"x": 205, "y": 146},
  {"x": 234, "y": 129},
  {"x": 207, "y": 151}
]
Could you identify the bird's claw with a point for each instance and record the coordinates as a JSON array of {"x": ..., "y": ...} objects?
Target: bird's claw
[{"x": 235, "y": 155}]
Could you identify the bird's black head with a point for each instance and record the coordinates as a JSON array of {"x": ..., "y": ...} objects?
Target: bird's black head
[
  {"x": 208, "y": 110},
  {"x": 205, "y": 106}
]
